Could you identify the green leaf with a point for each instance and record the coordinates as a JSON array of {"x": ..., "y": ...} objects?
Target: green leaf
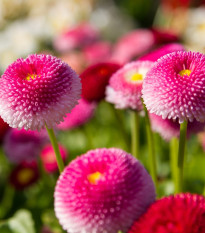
[{"x": 21, "y": 222}]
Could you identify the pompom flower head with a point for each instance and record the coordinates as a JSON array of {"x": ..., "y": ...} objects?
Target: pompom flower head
[
  {"x": 169, "y": 128},
  {"x": 79, "y": 115},
  {"x": 22, "y": 145},
  {"x": 124, "y": 89},
  {"x": 49, "y": 159},
  {"x": 36, "y": 91},
  {"x": 95, "y": 79},
  {"x": 175, "y": 214},
  {"x": 175, "y": 87},
  {"x": 104, "y": 190}
]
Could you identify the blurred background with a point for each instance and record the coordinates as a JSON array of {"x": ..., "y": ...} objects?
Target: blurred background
[{"x": 82, "y": 33}]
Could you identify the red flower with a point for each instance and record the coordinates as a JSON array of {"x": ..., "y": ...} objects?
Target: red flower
[
  {"x": 183, "y": 213},
  {"x": 95, "y": 78},
  {"x": 24, "y": 175}
]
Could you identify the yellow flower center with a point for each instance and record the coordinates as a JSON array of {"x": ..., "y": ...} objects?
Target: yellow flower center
[
  {"x": 31, "y": 76},
  {"x": 25, "y": 175},
  {"x": 185, "y": 72},
  {"x": 94, "y": 177},
  {"x": 136, "y": 77}
]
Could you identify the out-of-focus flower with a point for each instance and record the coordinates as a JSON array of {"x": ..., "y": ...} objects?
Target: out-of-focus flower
[
  {"x": 49, "y": 159},
  {"x": 24, "y": 175},
  {"x": 124, "y": 89},
  {"x": 175, "y": 87},
  {"x": 104, "y": 190},
  {"x": 195, "y": 29},
  {"x": 4, "y": 127},
  {"x": 95, "y": 78},
  {"x": 174, "y": 214},
  {"x": 76, "y": 60},
  {"x": 97, "y": 52},
  {"x": 77, "y": 37},
  {"x": 173, "y": 4},
  {"x": 156, "y": 54},
  {"x": 36, "y": 91},
  {"x": 22, "y": 145},
  {"x": 79, "y": 115},
  {"x": 133, "y": 44},
  {"x": 164, "y": 36},
  {"x": 168, "y": 128},
  {"x": 201, "y": 138}
]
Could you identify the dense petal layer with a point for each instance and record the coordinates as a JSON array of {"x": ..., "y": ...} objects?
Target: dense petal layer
[
  {"x": 36, "y": 91},
  {"x": 104, "y": 190},
  {"x": 175, "y": 87},
  {"x": 175, "y": 214}
]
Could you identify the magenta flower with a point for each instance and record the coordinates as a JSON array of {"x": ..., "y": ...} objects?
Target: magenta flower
[
  {"x": 175, "y": 87},
  {"x": 124, "y": 89},
  {"x": 156, "y": 54},
  {"x": 49, "y": 159},
  {"x": 36, "y": 91},
  {"x": 104, "y": 190},
  {"x": 183, "y": 213},
  {"x": 169, "y": 128},
  {"x": 79, "y": 115},
  {"x": 22, "y": 145},
  {"x": 81, "y": 35}
]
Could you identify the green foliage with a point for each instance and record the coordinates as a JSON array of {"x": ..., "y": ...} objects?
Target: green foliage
[{"x": 21, "y": 222}]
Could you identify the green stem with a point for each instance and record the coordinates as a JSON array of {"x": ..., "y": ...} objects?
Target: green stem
[
  {"x": 204, "y": 190},
  {"x": 151, "y": 149},
  {"x": 135, "y": 134},
  {"x": 55, "y": 148},
  {"x": 174, "y": 144},
  {"x": 118, "y": 117},
  {"x": 181, "y": 154},
  {"x": 89, "y": 136}
]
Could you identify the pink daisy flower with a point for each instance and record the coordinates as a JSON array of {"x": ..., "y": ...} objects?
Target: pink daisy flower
[
  {"x": 79, "y": 115},
  {"x": 104, "y": 190},
  {"x": 125, "y": 85},
  {"x": 174, "y": 87},
  {"x": 174, "y": 214},
  {"x": 168, "y": 128},
  {"x": 133, "y": 44},
  {"x": 36, "y": 91},
  {"x": 156, "y": 54},
  {"x": 78, "y": 36},
  {"x": 24, "y": 175},
  {"x": 49, "y": 159},
  {"x": 22, "y": 145}
]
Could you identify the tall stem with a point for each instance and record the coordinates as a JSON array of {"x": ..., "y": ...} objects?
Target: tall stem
[
  {"x": 122, "y": 129},
  {"x": 55, "y": 148},
  {"x": 174, "y": 144},
  {"x": 181, "y": 153},
  {"x": 135, "y": 134},
  {"x": 151, "y": 149}
]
